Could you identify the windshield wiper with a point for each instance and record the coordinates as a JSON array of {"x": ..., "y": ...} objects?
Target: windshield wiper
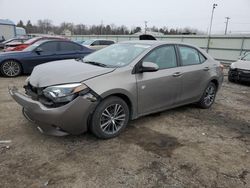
[{"x": 96, "y": 63}]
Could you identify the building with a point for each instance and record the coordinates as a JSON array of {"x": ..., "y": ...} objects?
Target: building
[
  {"x": 66, "y": 32},
  {"x": 7, "y": 29}
]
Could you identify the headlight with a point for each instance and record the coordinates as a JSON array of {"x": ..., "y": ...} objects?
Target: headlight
[
  {"x": 64, "y": 93},
  {"x": 232, "y": 66},
  {"x": 27, "y": 80}
]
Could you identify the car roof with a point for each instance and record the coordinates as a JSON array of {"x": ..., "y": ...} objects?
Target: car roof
[
  {"x": 155, "y": 43},
  {"x": 102, "y": 39},
  {"x": 50, "y": 40}
]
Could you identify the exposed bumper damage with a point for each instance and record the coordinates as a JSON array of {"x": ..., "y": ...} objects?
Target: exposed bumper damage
[
  {"x": 60, "y": 121},
  {"x": 239, "y": 75}
]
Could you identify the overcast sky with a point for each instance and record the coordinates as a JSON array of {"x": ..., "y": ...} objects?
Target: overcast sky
[{"x": 170, "y": 13}]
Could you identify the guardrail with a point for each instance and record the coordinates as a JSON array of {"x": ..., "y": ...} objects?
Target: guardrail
[{"x": 225, "y": 48}]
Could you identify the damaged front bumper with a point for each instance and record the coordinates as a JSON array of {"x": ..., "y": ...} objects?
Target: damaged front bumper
[{"x": 71, "y": 118}]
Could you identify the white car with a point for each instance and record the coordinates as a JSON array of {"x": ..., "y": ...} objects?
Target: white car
[
  {"x": 240, "y": 70},
  {"x": 97, "y": 44}
]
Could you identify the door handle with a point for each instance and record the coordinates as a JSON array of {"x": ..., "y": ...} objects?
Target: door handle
[
  {"x": 177, "y": 74},
  {"x": 206, "y": 68}
]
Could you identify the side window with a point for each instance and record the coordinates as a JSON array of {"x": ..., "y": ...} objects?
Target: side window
[
  {"x": 246, "y": 57},
  {"x": 49, "y": 47},
  {"x": 202, "y": 58},
  {"x": 103, "y": 42},
  {"x": 69, "y": 46},
  {"x": 96, "y": 43},
  {"x": 110, "y": 42},
  {"x": 189, "y": 56},
  {"x": 106, "y": 42},
  {"x": 164, "y": 57}
]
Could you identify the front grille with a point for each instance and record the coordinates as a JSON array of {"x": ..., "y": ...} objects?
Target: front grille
[
  {"x": 244, "y": 73},
  {"x": 37, "y": 95}
]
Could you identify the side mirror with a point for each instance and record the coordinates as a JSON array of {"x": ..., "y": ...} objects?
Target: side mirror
[
  {"x": 39, "y": 50},
  {"x": 149, "y": 67}
]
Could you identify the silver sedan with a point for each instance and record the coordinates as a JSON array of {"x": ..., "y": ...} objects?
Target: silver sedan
[{"x": 122, "y": 82}]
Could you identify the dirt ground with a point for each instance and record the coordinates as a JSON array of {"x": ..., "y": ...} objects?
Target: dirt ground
[{"x": 183, "y": 147}]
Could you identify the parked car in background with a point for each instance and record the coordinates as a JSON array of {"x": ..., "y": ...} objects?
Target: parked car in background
[
  {"x": 31, "y": 41},
  {"x": 79, "y": 41},
  {"x": 97, "y": 44},
  {"x": 116, "y": 84},
  {"x": 15, "y": 63},
  {"x": 13, "y": 42},
  {"x": 240, "y": 70}
]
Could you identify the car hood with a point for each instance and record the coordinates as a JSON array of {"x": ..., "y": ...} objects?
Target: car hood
[
  {"x": 65, "y": 71},
  {"x": 242, "y": 65}
]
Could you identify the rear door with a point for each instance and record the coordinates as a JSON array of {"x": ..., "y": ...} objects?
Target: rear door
[
  {"x": 195, "y": 72},
  {"x": 159, "y": 90}
]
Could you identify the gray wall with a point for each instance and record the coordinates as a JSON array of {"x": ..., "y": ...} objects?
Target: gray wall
[{"x": 226, "y": 48}]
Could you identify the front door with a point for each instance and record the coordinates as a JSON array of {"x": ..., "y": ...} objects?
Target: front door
[
  {"x": 48, "y": 53},
  {"x": 161, "y": 89}
]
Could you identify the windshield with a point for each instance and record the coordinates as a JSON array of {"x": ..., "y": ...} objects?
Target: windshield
[
  {"x": 33, "y": 46},
  {"x": 88, "y": 42},
  {"x": 117, "y": 55},
  {"x": 246, "y": 57}
]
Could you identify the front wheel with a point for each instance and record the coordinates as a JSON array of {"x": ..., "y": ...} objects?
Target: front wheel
[
  {"x": 110, "y": 118},
  {"x": 230, "y": 78},
  {"x": 208, "y": 96},
  {"x": 11, "y": 68}
]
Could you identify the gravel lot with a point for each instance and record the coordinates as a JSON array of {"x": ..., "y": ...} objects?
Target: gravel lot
[{"x": 183, "y": 147}]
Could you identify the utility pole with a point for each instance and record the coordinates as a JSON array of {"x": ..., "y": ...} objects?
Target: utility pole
[
  {"x": 227, "y": 20},
  {"x": 210, "y": 27},
  {"x": 146, "y": 26}
]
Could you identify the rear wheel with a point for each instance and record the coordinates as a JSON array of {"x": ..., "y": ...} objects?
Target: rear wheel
[
  {"x": 11, "y": 68},
  {"x": 110, "y": 118},
  {"x": 208, "y": 96}
]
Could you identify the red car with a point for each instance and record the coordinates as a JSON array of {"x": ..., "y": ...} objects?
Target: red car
[{"x": 21, "y": 46}]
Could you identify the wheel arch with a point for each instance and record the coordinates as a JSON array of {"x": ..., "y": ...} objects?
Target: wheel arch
[
  {"x": 216, "y": 82},
  {"x": 124, "y": 95}
]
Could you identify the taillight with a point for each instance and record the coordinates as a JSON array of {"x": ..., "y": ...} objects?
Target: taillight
[
  {"x": 221, "y": 67},
  {"x": 20, "y": 48}
]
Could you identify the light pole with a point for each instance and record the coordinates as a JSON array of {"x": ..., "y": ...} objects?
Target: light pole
[
  {"x": 227, "y": 18},
  {"x": 211, "y": 21},
  {"x": 146, "y": 22},
  {"x": 210, "y": 27}
]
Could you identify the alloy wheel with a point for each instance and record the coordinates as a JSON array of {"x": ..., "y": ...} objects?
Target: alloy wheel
[
  {"x": 11, "y": 68},
  {"x": 112, "y": 119},
  {"x": 209, "y": 95}
]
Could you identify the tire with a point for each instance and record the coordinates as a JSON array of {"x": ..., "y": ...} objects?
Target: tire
[
  {"x": 208, "y": 96},
  {"x": 105, "y": 122},
  {"x": 230, "y": 78},
  {"x": 11, "y": 68}
]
